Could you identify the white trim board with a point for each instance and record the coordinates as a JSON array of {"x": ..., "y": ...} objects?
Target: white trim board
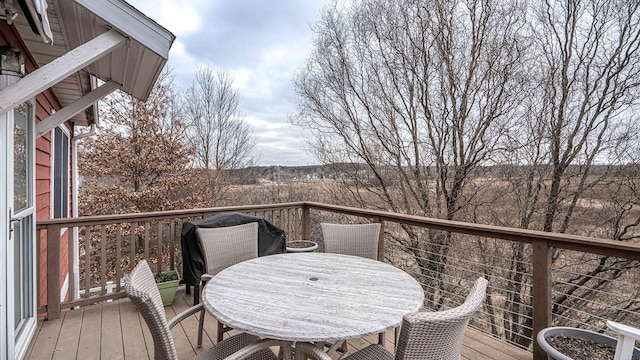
[
  {"x": 76, "y": 107},
  {"x": 59, "y": 69},
  {"x": 133, "y": 23}
]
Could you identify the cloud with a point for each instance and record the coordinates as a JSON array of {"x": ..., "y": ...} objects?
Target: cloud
[
  {"x": 178, "y": 18},
  {"x": 261, "y": 44}
]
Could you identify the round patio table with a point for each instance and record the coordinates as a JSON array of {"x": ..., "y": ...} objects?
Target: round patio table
[{"x": 312, "y": 297}]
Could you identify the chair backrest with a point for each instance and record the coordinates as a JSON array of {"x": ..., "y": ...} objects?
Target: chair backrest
[
  {"x": 439, "y": 335},
  {"x": 226, "y": 246},
  {"x": 141, "y": 288},
  {"x": 358, "y": 239}
]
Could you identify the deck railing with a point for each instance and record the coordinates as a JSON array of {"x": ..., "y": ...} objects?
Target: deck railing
[{"x": 445, "y": 256}]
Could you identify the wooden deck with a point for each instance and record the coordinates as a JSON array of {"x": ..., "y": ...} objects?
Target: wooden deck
[{"x": 115, "y": 330}]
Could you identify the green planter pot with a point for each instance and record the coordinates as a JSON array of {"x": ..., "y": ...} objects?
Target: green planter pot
[{"x": 168, "y": 288}]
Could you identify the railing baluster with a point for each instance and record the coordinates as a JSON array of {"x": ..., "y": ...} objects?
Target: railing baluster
[
  {"x": 380, "y": 238},
  {"x": 87, "y": 260},
  {"x": 71, "y": 236},
  {"x": 306, "y": 223},
  {"x": 287, "y": 224},
  {"x": 159, "y": 251},
  {"x": 146, "y": 240},
  {"x": 172, "y": 243},
  {"x": 132, "y": 243},
  {"x": 118, "y": 255},
  {"x": 294, "y": 223},
  {"x": 103, "y": 259}
]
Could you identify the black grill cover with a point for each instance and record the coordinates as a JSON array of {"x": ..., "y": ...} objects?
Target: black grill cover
[{"x": 271, "y": 240}]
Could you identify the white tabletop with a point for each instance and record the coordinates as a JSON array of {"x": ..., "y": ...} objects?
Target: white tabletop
[{"x": 312, "y": 297}]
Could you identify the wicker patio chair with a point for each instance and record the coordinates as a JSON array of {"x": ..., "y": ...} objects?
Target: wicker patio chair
[
  {"x": 352, "y": 239},
  {"x": 223, "y": 247},
  {"x": 141, "y": 288},
  {"x": 424, "y": 335}
]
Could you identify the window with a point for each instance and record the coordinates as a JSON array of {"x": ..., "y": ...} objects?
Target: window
[{"x": 60, "y": 173}]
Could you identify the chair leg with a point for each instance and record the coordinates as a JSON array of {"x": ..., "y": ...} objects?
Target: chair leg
[
  {"x": 396, "y": 337},
  {"x": 196, "y": 294},
  {"x": 220, "y": 332},
  {"x": 201, "y": 327},
  {"x": 338, "y": 347}
]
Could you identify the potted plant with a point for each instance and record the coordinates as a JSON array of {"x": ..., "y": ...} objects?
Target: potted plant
[
  {"x": 569, "y": 343},
  {"x": 297, "y": 246},
  {"x": 167, "y": 282}
]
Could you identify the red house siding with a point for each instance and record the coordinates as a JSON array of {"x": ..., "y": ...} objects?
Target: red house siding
[{"x": 44, "y": 104}]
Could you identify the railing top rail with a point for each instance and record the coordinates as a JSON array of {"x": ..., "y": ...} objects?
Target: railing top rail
[
  {"x": 557, "y": 240},
  {"x": 156, "y": 215}
]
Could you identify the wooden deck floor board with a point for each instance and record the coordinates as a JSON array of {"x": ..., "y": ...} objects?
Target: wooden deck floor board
[
  {"x": 495, "y": 348},
  {"x": 111, "y": 332},
  {"x": 117, "y": 331},
  {"x": 134, "y": 343},
  {"x": 46, "y": 340},
  {"x": 91, "y": 327},
  {"x": 185, "y": 332},
  {"x": 67, "y": 345}
]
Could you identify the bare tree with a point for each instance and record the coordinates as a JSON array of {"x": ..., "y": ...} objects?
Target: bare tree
[
  {"x": 421, "y": 93},
  {"x": 222, "y": 138},
  {"x": 427, "y": 96},
  {"x": 587, "y": 66}
]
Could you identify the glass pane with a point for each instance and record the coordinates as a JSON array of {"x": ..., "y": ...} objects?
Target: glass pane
[
  {"x": 20, "y": 158},
  {"x": 23, "y": 273}
]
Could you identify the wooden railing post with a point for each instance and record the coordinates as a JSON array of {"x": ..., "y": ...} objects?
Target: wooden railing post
[
  {"x": 306, "y": 223},
  {"x": 53, "y": 272},
  {"x": 541, "y": 264}
]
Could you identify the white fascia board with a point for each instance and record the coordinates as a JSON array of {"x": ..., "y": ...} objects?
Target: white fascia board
[
  {"x": 132, "y": 23},
  {"x": 76, "y": 107},
  {"x": 59, "y": 69}
]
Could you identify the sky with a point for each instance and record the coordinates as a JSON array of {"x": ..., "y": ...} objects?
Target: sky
[{"x": 261, "y": 43}]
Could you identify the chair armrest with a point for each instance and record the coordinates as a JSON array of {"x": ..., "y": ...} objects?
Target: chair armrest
[
  {"x": 253, "y": 348},
  {"x": 314, "y": 351},
  {"x": 205, "y": 277},
  {"x": 185, "y": 314}
]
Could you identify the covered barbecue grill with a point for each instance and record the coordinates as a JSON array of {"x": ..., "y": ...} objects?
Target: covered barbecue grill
[{"x": 271, "y": 240}]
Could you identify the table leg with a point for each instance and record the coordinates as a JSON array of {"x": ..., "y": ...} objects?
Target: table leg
[
  {"x": 314, "y": 350},
  {"x": 299, "y": 355},
  {"x": 337, "y": 347},
  {"x": 381, "y": 339},
  {"x": 288, "y": 352}
]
